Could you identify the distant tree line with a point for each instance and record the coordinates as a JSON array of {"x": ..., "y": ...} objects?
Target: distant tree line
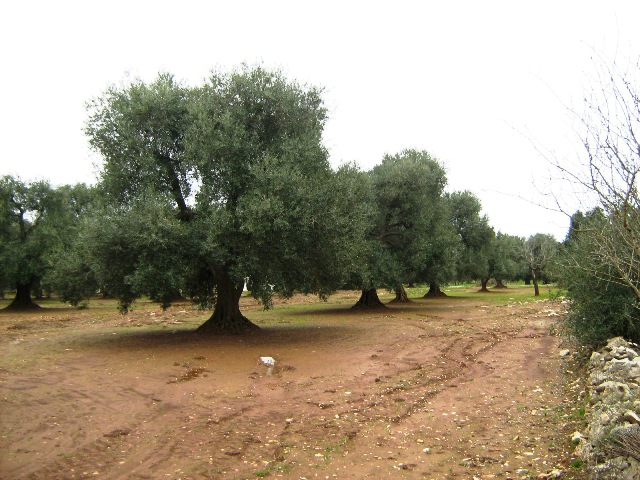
[{"x": 205, "y": 190}]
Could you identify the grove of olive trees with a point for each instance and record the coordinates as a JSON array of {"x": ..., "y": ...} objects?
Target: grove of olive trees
[{"x": 208, "y": 191}]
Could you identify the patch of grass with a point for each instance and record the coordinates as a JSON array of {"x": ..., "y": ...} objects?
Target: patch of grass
[
  {"x": 577, "y": 463},
  {"x": 282, "y": 467},
  {"x": 334, "y": 447},
  {"x": 512, "y": 294}
]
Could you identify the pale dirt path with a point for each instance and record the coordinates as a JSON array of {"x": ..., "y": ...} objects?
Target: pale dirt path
[{"x": 355, "y": 395}]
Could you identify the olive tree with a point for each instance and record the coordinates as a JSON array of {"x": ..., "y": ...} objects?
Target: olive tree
[
  {"x": 475, "y": 233},
  {"x": 32, "y": 225},
  {"x": 403, "y": 200},
  {"x": 539, "y": 250},
  {"x": 505, "y": 258},
  {"x": 240, "y": 165}
]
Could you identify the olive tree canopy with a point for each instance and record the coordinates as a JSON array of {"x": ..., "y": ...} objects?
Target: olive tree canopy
[
  {"x": 403, "y": 199},
  {"x": 35, "y": 220},
  {"x": 239, "y": 163}
]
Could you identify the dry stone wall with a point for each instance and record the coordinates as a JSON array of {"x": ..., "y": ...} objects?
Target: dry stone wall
[{"x": 610, "y": 445}]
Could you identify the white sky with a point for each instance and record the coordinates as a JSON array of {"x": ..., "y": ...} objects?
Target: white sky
[{"x": 468, "y": 81}]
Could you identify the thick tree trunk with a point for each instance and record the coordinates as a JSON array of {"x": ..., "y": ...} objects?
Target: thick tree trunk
[
  {"x": 22, "y": 300},
  {"x": 369, "y": 300},
  {"x": 401, "y": 295},
  {"x": 483, "y": 284},
  {"x": 434, "y": 291},
  {"x": 499, "y": 284},
  {"x": 226, "y": 316},
  {"x": 534, "y": 277}
]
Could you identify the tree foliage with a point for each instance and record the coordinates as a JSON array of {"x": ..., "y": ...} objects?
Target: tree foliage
[
  {"x": 33, "y": 222},
  {"x": 237, "y": 169},
  {"x": 506, "y": 258},
  {"x": 403, "y": 199},
  {"x": 539, "y": 252},
  {"x": 601, "y": 306},
  {"x": 605, "y": 243},
  {"x": 68, "y": 272},
  {"x": 210, "y": 189},
  {"x": 475, "y": 235}
]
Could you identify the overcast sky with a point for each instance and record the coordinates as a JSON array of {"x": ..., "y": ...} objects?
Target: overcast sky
[{"x": 477, "y": 84}]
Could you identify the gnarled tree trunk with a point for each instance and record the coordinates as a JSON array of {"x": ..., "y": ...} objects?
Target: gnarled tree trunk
[
  {"x": 369, "y": 299},
  {"x": 534, "y": 277},
  {"x": 22, "y": 300},
  {"x": 227, "y": 317},
  {"x": 483, "y": 284},
  {"x": 499, "y": 284},
  {"x": 434, "y": 291},
  {"x": 401, "y": 295}
]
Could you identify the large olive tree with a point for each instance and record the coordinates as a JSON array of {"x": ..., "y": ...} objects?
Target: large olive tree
[{"x": 240, "y": 165}]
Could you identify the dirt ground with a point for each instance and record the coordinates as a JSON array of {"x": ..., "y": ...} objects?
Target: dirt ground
[{"x": 438, "y": 389}]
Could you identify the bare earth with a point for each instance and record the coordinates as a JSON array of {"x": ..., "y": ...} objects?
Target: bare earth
[{"x": 438, "y": 389}]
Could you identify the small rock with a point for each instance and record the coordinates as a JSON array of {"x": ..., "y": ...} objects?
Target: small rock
[
  {"x": 267, "y": 361},
  {"x": 576, "y": 437},
  {"x": 555, "y": 473},
  {"x": 616, "y": 342},
  {"x": 565, "y": 353},
  {"x": 631, "y": 417},
  {"x": 120, "y": 432}
]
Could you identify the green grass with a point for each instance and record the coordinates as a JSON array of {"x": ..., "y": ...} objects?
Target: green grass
[
  {"x": 515, "y": 293},
  {"x": 282, "y": 467},
  {"x": 577, "y": 464},
  {"x": 299, "y": 314}
]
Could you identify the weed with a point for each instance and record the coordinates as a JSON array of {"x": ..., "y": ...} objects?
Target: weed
[
  {"x": 577, "y": 463},
  {"x": 277, "y": 467}
]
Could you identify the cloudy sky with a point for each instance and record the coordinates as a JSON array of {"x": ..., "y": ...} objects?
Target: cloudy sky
[{"x": 483, "y": 86}]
